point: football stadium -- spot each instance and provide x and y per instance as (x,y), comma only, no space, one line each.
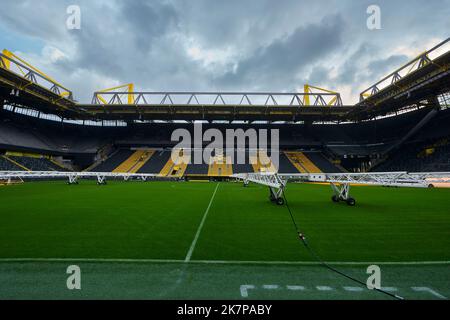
(334,191)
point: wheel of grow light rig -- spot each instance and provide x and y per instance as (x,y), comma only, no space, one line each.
(351,202)
(272,197)
(280,201)
(335,198)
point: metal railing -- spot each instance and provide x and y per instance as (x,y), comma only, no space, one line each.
(33,75)
(322,99)
(419,62)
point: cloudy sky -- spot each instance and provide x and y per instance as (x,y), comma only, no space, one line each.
(217,45)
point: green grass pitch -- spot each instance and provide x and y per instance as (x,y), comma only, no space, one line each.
(207,240)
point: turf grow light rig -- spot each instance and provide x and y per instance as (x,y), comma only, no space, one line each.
(341,182)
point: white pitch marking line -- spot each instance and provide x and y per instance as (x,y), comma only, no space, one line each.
(313,263)
(324,288)
(353,289)
(236,262)
(295,288)
(91,260)
(244,289)
(389,289)
(426,289)
(200,227)
(270,286)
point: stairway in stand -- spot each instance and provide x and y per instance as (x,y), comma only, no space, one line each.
(262,162)
(135,161)
(301,162)
(176,165)
(220,166)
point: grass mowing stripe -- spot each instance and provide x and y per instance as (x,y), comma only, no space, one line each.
(314,263)
(224,262)
(200,227)
(124,220)
(159,220)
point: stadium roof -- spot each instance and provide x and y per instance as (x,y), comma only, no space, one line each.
(418,83)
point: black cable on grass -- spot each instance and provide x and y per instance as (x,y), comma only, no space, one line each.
(323,263)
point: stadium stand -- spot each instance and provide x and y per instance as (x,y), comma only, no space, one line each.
(220,165)
(36,164)
(134,162)
(262,163)
(17,163)
(28,162)
(419,157)
(391,143)
(113,161)
(285,165)
(242,167)
(302,162)
(322,163)
(176,164)
(156,163)
(197,170)
(7,165)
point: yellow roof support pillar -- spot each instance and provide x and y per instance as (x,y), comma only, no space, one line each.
(130,94)
(307,92)
(6,62)
(23,64)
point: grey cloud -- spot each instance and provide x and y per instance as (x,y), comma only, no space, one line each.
(350,72)
(148,21)
(31,18)
(273,45)
(320,75)
(380,67)
(361,66)
(280,61)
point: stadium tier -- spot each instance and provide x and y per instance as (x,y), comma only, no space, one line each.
(432,156)
(13,161)
(7,165)
(171,163)
(113,161)
(156,163)
(135,161)
(397,143)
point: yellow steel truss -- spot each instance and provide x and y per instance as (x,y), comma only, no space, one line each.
(309,92)
(11,57)
(128,86)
